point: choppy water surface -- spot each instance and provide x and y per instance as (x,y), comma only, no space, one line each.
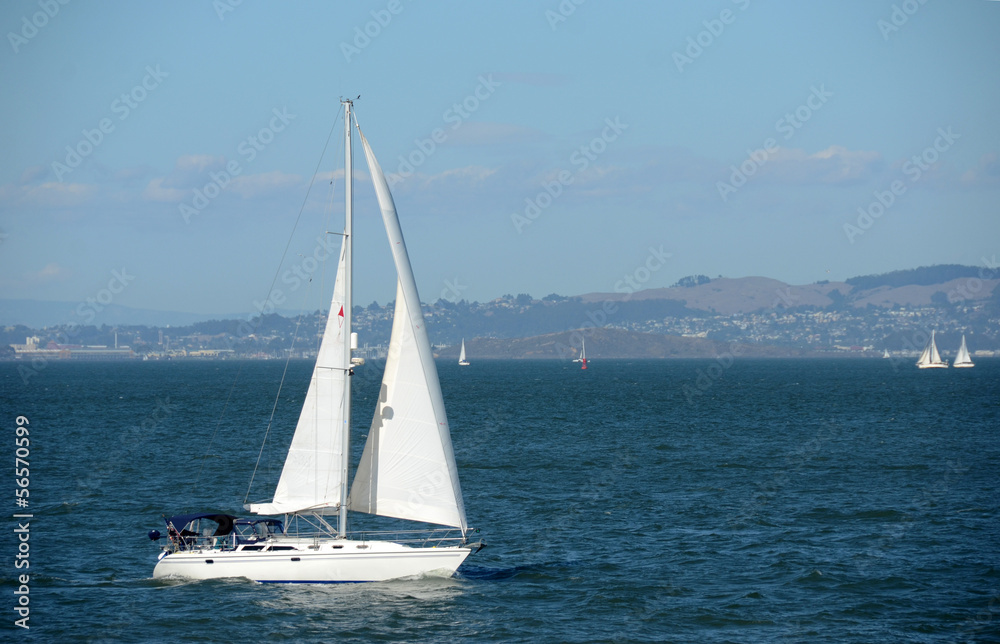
(836,501)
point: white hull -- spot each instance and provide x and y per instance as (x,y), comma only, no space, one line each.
(933,365)
(335,561)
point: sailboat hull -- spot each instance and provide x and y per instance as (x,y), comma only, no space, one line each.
(341,561)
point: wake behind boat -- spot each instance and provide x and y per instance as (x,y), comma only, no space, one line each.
(407,469)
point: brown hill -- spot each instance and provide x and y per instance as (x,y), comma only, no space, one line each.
(727,296)
(913,295)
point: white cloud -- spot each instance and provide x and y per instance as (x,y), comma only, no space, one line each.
(155,191)
(192,172)
(58,195)
(258,185)
(836,164)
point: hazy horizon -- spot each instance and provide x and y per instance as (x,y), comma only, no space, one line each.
(533,148)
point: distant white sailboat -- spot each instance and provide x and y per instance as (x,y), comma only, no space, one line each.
(963,359)
(407,469)
(930,358)
(462,362)
(885,353)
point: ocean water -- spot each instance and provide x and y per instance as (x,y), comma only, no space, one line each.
(673,501)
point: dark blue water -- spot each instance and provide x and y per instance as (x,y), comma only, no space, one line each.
(800,501)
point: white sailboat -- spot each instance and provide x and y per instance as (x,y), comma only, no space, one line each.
(885,353)
(407,468)
(930,358)
(963,359)
(461,356)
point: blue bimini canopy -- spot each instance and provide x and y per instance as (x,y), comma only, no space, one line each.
(225,521)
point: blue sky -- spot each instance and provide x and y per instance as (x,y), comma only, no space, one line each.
(538,147)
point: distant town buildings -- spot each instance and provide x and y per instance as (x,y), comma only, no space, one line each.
(900,330)
(34,347)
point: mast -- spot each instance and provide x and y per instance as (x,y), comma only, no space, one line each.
(348,305)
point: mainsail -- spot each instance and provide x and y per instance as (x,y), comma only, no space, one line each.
(311,477)
(407,468)
(963,359)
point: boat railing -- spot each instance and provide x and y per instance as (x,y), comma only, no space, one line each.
(425,538)
(229,541)
(235,539)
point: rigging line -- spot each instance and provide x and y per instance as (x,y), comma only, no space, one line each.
(288,358)
(302,208)
(270,420)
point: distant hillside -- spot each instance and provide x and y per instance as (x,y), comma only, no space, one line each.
(523,316)
(923,276)
(728,296)
(923,295)
(607,343)
(697,317)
